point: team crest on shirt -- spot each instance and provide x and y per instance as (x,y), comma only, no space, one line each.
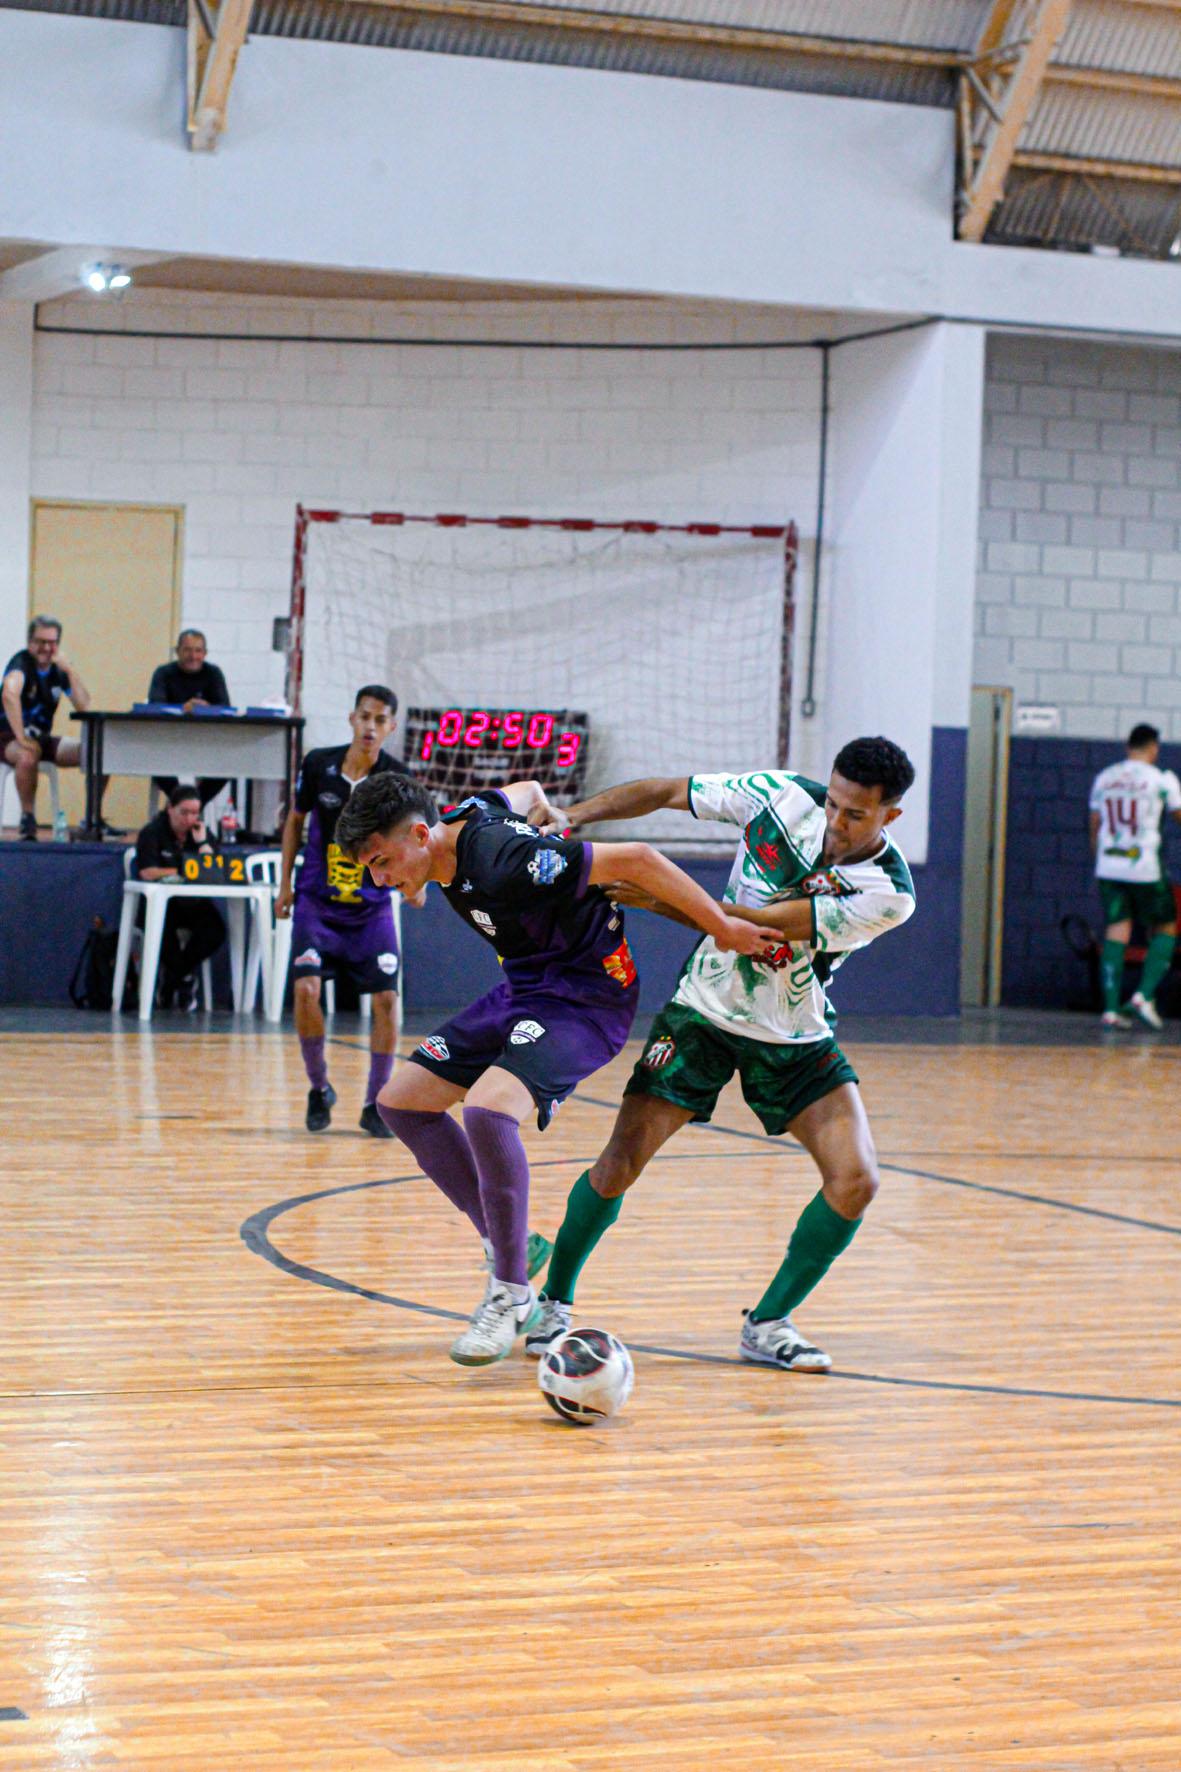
(436,1048)
(309,957)
(525,1032)
(331,800)
(388,963)
(659,1053)
(827,881)
(546,865)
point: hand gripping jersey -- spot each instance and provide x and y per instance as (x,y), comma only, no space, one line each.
(327,874)
(783,999)
(530,897)
(1131,798)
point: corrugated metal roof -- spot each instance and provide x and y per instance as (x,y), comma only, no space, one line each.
(1100,125)
(1137,39)
(903,51)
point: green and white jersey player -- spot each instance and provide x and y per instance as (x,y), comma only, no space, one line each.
(816,864)
(1128,802)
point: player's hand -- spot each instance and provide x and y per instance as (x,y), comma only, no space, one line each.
(555,822)
(738,937)
(200,834)
(194,701)
(30,745)
(633,898)
(284,899)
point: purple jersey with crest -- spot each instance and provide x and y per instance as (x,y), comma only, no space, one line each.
(327,874)
(530,896)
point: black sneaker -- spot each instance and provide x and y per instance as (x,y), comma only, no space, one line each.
(320,1105)
(28,827)
(372,1122)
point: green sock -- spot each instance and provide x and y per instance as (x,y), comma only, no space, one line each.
(817,1240)
(587,1216)
(1112,970)
(1157,961)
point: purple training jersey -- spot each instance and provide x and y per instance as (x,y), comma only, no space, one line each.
(530,896)
(327,874)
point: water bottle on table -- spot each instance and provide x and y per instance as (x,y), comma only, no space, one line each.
(228,825)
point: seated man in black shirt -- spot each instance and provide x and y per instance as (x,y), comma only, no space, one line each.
(35,679)
(193,928)
(190,683)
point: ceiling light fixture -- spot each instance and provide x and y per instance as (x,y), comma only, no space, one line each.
(104,278)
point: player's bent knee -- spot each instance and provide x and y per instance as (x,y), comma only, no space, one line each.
(854,1193)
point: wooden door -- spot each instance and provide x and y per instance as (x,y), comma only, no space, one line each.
(111,574)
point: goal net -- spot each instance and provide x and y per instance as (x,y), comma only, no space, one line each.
(578,652)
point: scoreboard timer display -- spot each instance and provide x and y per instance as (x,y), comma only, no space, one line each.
(458,751)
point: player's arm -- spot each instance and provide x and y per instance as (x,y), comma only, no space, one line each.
(292,838)
(1095,821)
(638,864)
(527,799)
(78,692)
(632,799)
(14,682)
(791,920)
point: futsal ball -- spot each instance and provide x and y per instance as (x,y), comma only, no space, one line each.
(586,1375)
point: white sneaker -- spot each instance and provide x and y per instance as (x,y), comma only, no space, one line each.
(496,1323)
(555,1319)
(778,1342)
(1145,1011)
(1111,1018)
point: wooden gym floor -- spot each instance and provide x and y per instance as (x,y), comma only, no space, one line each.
(251,1516)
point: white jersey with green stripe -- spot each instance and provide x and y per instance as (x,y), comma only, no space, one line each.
(1131,798)
(783,999)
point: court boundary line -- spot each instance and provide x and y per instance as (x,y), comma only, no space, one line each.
(254,1233)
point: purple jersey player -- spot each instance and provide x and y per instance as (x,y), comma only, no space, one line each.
(564,1008)
(343,925)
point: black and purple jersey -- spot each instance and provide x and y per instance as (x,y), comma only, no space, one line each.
(327,874)
(531,897)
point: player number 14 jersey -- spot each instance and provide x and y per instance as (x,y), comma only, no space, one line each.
(1131,798)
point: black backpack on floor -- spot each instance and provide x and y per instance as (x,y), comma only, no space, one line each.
(93,983)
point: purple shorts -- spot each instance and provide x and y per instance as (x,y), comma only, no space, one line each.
(363,949)
(551,1043)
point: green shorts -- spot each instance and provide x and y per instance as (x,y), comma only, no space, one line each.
(689,1061)
(1147,902)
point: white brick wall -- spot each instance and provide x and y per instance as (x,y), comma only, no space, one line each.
(238,431)
(1079,586)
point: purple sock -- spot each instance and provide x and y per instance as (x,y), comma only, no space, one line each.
(495,1140)
(314,1062)
(439,1146)
(380,1066)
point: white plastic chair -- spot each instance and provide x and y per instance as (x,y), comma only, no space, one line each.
(49,770)
(132,940)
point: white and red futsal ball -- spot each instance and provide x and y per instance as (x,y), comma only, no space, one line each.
(586,1375)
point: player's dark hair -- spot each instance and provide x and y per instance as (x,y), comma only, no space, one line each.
(184,790)
(44,621)
(876,763)
(379,692)
(377,805)
(191,634)
(1143,735)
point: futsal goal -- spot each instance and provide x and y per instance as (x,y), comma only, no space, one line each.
(579,651)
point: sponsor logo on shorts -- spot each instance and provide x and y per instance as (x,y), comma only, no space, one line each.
(515,824)
(525,1032)
(436,1048)
(309,957)
(546,865)
(660,1052)
(484,922)
(388,963)
(619,965)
